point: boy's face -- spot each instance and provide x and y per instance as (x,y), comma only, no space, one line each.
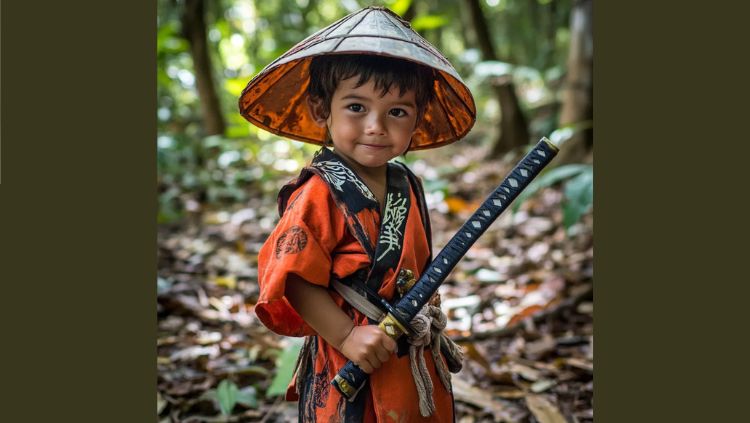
(368,130)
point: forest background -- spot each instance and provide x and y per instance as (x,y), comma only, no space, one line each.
(520,303)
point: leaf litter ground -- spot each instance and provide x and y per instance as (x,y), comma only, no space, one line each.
(520,304)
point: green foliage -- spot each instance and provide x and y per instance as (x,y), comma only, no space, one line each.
(426,22)
(564,133)
(245,35)
(284,369)
(578,190)
(530,32)
(579,196)
(226,394)
(248,397)
(398,6)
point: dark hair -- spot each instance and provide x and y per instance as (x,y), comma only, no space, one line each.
(327,71)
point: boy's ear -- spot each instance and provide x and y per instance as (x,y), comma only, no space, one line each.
(317,111)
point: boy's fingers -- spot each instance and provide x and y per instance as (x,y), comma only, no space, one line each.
(365,366)
(389,344)
(383,355)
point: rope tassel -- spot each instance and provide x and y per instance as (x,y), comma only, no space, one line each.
(428,326)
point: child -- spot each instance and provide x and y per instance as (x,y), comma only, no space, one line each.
(352,223)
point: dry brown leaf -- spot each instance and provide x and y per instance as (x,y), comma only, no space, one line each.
(541,347)
(580,363)
(506,392)
(542,385)
(472,353)
(525,372)
(544,410)
(525,313)
(504,411)
(160,403)
(169,340)
(457,205)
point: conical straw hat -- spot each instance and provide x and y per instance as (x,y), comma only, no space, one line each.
(275,99)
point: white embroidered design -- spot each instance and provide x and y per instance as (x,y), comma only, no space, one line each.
(395,213)
(336,174)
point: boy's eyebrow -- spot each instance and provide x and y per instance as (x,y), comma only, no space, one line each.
(354,97)
(362,98)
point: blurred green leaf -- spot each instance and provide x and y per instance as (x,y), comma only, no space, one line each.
(226,394)
(168,40)
(238,131)
(427,22)
(564,133)
(247,396)
(284,369)
(547,179)
(579,196)
(399,6)
(235,86)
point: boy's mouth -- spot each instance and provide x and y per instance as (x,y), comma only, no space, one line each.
(375,146)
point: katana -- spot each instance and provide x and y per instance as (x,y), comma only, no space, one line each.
(350,379)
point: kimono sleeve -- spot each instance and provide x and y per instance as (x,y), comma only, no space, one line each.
(302,244)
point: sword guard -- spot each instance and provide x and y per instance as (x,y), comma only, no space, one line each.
(405,281)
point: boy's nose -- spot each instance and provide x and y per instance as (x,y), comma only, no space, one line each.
(375,125)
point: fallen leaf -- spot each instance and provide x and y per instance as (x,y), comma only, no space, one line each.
(506,392)
(456,205)
(538,349)
(525,372)
(580,363)
(488,276)
(471,352)
(207,338)
(247,396)
(285,368)
(160,403)
(524,313)
(586,308)
(226,394)
(227,281)
(544,410)
(504,411)
(542,385)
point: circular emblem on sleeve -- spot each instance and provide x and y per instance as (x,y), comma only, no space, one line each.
(292,241)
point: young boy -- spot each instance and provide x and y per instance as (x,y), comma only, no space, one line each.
(353,223)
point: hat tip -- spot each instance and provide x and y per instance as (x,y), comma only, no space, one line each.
(387,10)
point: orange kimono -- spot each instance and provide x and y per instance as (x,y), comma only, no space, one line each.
(319,238)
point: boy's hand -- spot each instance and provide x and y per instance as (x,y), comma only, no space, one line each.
(368,347)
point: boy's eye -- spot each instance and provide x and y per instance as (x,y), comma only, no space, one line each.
(355,107)
(398,112)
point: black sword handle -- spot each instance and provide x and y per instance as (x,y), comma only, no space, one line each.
(350,379)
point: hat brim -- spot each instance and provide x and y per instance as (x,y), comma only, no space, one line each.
(276,98)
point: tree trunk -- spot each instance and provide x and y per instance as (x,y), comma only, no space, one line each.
(483,36)
(194,30)
(577,96)
(514,130)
